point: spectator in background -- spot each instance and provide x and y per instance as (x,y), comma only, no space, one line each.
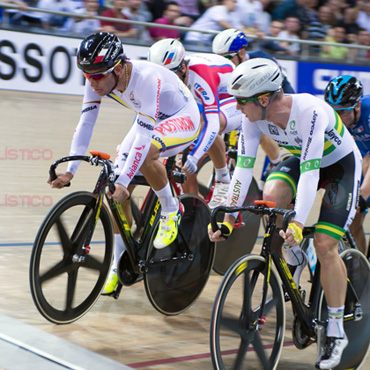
(118,29)
(337,10)
(87,26)
(363,19)
(291,32)
(289,8)
(349,21)
(136,10)
(264,17)
(216,18)
(60,22)
(274,46)
(363,38)
(333,51)
(249,15)
(171,16)
(189,8)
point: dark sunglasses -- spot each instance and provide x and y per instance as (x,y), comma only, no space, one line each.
(243,101)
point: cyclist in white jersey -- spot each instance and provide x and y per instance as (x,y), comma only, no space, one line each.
(324,155)
(206,75)
(166,122)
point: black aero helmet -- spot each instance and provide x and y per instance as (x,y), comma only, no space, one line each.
(343,90)
(99,51)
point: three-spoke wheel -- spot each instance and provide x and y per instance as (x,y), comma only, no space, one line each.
(66,282)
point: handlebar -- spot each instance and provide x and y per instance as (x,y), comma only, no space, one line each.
(260,208)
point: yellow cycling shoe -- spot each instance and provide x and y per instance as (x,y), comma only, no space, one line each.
(168,227)
(111,282)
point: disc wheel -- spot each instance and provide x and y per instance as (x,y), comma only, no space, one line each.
(236,341)
(358,332)
(63,287)
(174,286)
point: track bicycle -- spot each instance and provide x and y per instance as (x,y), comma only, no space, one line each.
(73,249)
(248,318)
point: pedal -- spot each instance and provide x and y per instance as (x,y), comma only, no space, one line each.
(117,291)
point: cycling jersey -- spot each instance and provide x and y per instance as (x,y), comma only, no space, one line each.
(361,132)
(166,116)
(207,81)
(315,134)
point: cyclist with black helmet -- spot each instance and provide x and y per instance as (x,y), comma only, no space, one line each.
(345,95)
(324,155)
(166,122)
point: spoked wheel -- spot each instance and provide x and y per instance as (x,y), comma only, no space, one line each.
(63,288)
(236,340)
(358,332)
(243,239)
(174,286)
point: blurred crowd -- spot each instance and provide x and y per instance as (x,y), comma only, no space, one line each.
(335,21)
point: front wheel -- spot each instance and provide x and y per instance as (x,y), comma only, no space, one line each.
(64,287)
(237,341)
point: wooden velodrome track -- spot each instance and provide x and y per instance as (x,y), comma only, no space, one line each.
(36,129)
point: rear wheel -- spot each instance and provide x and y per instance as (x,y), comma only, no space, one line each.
(358,332)
(174,286)
(63,287)
(236,340)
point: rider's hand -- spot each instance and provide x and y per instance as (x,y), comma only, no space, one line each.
(190,165)
(120,193)
(293,234)
(362,205)
(61,180)
(224,231)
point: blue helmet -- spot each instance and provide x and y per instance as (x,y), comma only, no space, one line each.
(230,40)
(343,90)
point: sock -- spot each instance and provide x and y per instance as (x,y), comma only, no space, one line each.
(335,324)
(293,255)
(276,161)
(169,203)
(222,174)
(118,248)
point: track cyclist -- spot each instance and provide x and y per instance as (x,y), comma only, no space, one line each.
(206,75)
(232,44)
(324,155)
(166,122)
(345,95)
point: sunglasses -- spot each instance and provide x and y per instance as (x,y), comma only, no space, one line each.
(345,109)
(230,56)
(99,76)
(243,101)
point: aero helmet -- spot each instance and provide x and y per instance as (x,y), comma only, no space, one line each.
(343,90)
(230,40)
(99,51)
(168,53)
(255,76)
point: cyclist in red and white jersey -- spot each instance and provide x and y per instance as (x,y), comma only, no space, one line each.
(207,76)
(324,155)
(166,122)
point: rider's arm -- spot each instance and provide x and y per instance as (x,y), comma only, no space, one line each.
(312,128)
(83,132)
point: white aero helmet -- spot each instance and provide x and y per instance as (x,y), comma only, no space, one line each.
(167,52)
(253,77)
(230,40)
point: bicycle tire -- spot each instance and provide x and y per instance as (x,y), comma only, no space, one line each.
(358,332)
(233,330)
(64,230)
(173,288)
(243,239)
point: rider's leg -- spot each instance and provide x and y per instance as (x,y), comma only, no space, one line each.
(271,148)
(358,232)
(280,192)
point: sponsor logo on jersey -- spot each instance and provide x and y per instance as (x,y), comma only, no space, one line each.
(162,116)
(160,141)
(159,83)
(210,141)
(332,135)
(133,101)
(358,129)
(201,91)
(145,125)
(236,193)
(273,129)
(88,109)
(180,124)
(135,165)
